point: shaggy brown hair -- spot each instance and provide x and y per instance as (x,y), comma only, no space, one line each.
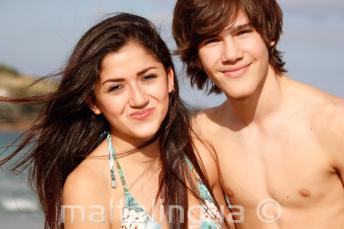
(196,20)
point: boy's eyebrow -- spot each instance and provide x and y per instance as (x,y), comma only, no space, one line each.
(236,28)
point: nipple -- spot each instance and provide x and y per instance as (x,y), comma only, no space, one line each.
(305,192)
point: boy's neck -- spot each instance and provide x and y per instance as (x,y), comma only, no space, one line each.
(266,101)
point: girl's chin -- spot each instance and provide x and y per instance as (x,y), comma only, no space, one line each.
(144,136)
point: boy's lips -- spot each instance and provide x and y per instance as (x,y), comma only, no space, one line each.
(236,71)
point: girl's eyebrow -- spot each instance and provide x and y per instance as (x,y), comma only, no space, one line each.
(111,80)
(145,70)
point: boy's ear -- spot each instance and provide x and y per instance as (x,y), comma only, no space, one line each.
(92,105)
(170,78)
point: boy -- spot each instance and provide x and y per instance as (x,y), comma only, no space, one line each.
(279,143)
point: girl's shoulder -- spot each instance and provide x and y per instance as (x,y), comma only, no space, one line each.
(83,192)
(90,180)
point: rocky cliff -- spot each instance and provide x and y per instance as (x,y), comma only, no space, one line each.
(15,117)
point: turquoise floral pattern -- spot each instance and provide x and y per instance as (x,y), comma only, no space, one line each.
(135,217)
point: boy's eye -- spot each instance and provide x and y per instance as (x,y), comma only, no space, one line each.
(210,40)
(244,31)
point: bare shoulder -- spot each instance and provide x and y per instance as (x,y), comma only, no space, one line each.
(324,108)
(85,190)
(207,159)
(86,183)
(77,182)
(323,114)
(335,109)
(205,121)
(328,112)
(201,137)
(332,116)
(205,125)
(327,118)
(332,133)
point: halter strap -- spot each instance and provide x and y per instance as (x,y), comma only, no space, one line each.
(112,161)
(192,169)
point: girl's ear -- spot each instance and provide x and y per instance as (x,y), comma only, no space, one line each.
(170,78)
(92,105)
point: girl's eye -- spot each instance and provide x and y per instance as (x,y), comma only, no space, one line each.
(149,77)
(115,88)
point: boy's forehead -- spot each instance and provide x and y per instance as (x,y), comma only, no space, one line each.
(240,19)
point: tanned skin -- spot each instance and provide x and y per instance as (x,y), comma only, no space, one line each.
(274,138)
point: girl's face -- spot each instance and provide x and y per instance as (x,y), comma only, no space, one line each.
(133,93)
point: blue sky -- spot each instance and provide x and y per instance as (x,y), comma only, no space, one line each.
(37,36)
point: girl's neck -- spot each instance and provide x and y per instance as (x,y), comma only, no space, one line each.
(138,150)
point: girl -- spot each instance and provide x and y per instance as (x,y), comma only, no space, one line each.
(112,147)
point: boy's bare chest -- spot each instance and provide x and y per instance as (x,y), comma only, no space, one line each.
(292,168)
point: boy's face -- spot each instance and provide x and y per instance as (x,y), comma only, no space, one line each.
(236,60)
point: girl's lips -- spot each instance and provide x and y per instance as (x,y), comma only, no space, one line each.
(142,114)
(236,72)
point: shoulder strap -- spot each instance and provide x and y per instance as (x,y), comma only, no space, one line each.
(112,160)
(192,169)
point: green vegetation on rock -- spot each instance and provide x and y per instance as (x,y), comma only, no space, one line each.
(15,85)
(8,69)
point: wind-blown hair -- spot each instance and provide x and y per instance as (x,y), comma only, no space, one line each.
(66,130)
(196,20)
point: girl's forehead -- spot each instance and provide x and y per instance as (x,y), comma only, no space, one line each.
(128,62)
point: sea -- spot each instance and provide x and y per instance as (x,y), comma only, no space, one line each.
(19,206)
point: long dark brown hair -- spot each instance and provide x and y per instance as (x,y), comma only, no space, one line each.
(66,130)
(196,20)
